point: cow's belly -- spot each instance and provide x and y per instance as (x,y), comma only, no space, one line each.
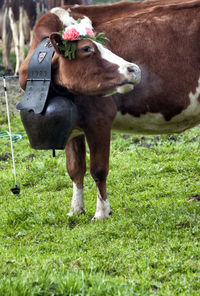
(155,123)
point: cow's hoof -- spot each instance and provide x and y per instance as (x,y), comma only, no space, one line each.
(73,212)
(98,218)
(102,217)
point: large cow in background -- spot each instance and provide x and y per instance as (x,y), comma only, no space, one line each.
(163,38)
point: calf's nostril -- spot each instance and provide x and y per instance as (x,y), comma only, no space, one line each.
(130,69)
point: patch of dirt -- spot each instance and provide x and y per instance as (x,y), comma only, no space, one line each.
(14,93)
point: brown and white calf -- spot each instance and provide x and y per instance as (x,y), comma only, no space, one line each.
(163,38)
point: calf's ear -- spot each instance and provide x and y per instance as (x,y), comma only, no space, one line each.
(56,40)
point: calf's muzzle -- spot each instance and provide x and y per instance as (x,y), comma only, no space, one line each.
(132,76)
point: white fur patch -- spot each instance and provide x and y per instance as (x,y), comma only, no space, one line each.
(109,56)
(102,208)
(195,96)
(123,68)
(77,205)
(67,20)
(155,123)
(64,16)
(124,88)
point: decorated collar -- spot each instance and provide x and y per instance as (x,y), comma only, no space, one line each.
(77,32)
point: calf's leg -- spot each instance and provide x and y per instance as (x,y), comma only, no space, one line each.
(99,144)
(76,166)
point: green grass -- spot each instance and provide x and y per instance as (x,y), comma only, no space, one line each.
(150,246)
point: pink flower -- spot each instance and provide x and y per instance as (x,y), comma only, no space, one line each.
(71,34)
(89,32)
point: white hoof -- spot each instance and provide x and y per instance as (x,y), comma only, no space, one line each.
(77,205)
(103,210)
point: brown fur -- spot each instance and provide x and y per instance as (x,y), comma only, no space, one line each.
(87,74)
(154,33)
(87,65)
(163,38)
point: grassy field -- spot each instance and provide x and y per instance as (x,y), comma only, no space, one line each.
(150,246)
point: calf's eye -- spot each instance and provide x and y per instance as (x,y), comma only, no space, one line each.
(87,49)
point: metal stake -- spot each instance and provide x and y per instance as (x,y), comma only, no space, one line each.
(16,189)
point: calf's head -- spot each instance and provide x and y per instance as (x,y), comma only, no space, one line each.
(95,70)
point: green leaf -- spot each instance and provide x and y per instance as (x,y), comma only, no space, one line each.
(68,48)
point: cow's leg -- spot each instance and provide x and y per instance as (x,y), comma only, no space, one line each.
(76,166)
(14,28)
(6,40)
(99,144)
(31,37)
(21,38)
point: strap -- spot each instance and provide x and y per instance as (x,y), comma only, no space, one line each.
(39,78)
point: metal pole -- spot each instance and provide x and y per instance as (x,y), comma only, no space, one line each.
(16,189)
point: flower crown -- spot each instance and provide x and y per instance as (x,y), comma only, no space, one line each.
(77,32)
